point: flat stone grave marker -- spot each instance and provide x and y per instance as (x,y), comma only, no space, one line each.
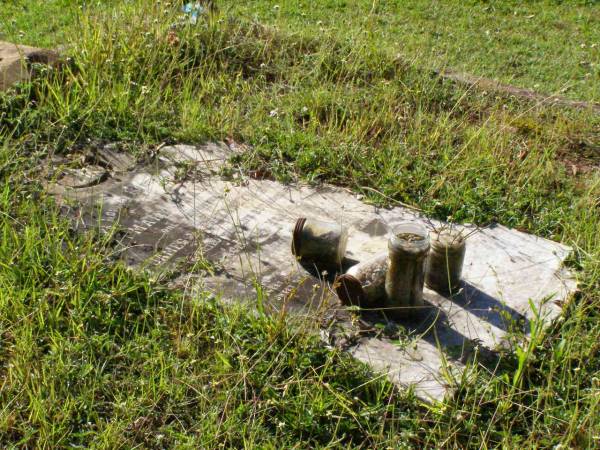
(169,212)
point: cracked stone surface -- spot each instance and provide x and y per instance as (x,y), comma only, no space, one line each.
(172,211)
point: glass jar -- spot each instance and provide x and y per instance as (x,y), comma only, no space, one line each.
(364,283)
(445,262)
(408,247)
(323,243)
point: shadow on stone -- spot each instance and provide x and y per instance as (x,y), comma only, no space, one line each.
(326,273)
(431,324)
(489,308)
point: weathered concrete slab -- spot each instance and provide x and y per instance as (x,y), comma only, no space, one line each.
(16,62)
(177,209)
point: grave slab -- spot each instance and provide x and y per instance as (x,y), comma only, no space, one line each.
(172,211)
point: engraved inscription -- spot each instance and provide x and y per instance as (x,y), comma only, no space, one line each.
(173,248)
(144,224)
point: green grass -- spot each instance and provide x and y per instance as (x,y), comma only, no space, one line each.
(37,22)
(95,355)
(548,46)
